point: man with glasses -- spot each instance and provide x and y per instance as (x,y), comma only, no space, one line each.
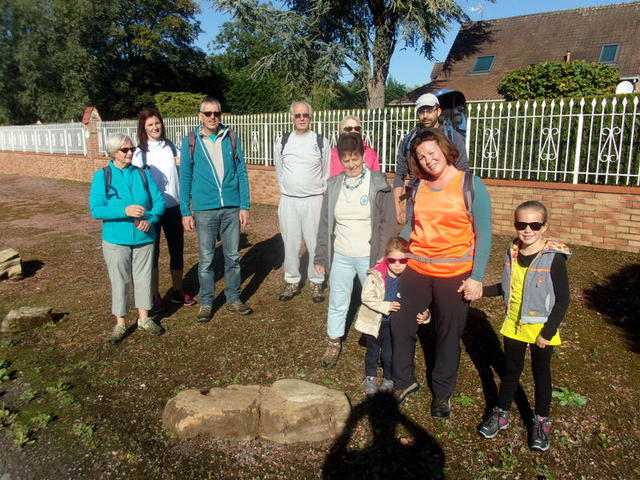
(214,200)
(302,160)
(428,111)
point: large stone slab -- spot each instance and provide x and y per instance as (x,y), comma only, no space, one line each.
(25,318)
(10,264)
(289,411)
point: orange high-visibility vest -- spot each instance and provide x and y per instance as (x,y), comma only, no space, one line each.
(443,232)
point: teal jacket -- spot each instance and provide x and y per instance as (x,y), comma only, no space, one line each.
(127,189)
(200,186)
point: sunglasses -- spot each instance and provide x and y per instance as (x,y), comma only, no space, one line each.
(126,150)
(215,114)
(353,129)
(301,115)
(535,226)
(427,109)
(401,261)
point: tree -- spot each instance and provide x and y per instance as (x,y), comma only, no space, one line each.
(322,37)
(556,80)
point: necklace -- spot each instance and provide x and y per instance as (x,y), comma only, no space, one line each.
(356,184)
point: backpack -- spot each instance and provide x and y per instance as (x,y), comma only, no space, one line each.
(174,151)
(468,192)
(285,139)
(107,181)
(232,137)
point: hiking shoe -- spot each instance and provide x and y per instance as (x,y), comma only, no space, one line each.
(370,386)
(331,354)
(498,420)
(316,293)
(387,386)
(440,408)
(117,334)
(182,298)
(158,304)
(205,314)
(150,326)
(240,308)
(539,439)
(401,395)
(290,291)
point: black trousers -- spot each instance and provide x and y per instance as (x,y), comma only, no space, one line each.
(171,223)
(417,293)
(382,347)
(515,351)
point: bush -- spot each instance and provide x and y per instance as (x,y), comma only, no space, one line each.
(178,104)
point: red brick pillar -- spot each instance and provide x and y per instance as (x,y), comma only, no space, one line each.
(94,160)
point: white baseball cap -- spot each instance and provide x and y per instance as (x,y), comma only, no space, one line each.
(426,100)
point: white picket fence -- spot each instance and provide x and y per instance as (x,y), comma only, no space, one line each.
(576,141)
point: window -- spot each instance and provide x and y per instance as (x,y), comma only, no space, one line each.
(483,64)
(609,53)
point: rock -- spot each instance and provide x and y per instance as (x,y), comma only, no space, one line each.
(25,318)
(10,264)
(289,411)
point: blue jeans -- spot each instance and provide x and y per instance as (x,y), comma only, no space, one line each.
(208,224)
(343,270)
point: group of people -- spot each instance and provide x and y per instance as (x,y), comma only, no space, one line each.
(339,203)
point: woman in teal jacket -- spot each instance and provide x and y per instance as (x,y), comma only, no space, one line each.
(129,203)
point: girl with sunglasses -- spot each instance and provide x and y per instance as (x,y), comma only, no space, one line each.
(379,301)
(535,288)
(351,124)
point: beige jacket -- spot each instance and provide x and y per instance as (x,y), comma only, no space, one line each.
(373,305)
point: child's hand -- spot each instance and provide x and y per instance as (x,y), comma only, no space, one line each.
(320,269)
(395,306)
(423,317)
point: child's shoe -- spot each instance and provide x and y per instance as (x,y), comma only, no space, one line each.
(386,387)
(498,420)
(370,386)
(540,434)
(158,305)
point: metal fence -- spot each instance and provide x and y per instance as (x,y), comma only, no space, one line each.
(50,138)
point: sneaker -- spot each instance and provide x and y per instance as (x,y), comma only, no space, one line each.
(205,313)
(290,291)
(370,386)
(440,408)
(158,304)
(498,420)
(540,434)
(240,308)
(316,293)
(117,334)
(331,354)
(150,326)
(182,298)
(387,386)
(401,395)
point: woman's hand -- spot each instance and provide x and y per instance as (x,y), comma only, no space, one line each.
(395,306)
(135,211)
(542,342)
(188,224)
(471,288)
(320,269)
(423,317)
(143,225)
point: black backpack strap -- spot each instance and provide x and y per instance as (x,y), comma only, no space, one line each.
(320,141)
(234,139)
(283,142)
(145,180)
(468,192)
(407,144)
(192,143)
(172,146)
(143,153)
(107,181)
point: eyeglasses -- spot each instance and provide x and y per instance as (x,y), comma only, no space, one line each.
(427,109)
(357,128)
(535,226)
(215,114)
(301,115)
(401,261)
(126,150)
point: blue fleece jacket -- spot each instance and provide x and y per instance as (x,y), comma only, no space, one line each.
(127,189)
(200,187)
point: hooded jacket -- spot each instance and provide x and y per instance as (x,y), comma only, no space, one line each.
(373,306)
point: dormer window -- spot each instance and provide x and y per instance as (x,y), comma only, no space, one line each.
(609,53)
(483,64)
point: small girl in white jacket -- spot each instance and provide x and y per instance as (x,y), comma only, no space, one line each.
(373,320)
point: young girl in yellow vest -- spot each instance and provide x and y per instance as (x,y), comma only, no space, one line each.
(535,288)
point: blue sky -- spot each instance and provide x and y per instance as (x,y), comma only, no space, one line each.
(408,66)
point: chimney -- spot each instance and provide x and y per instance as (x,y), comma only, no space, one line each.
(567,57)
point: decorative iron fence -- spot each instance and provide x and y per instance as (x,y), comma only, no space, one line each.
(68,138)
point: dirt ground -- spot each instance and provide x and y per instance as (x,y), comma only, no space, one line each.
(72,406)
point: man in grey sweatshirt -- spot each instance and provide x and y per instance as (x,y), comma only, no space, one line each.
(302,160)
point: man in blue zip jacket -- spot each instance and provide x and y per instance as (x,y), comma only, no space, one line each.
(214,200)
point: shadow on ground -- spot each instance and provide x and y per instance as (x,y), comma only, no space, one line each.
(618,298)
(415,454)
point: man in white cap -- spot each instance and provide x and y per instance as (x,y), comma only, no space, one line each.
(428,111)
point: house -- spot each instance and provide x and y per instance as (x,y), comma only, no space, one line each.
(484,51)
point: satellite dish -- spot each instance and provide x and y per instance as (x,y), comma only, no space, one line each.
(624,87)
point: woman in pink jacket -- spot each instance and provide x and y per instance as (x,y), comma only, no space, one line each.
(351,124)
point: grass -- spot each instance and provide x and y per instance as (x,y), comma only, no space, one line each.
(68,388)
